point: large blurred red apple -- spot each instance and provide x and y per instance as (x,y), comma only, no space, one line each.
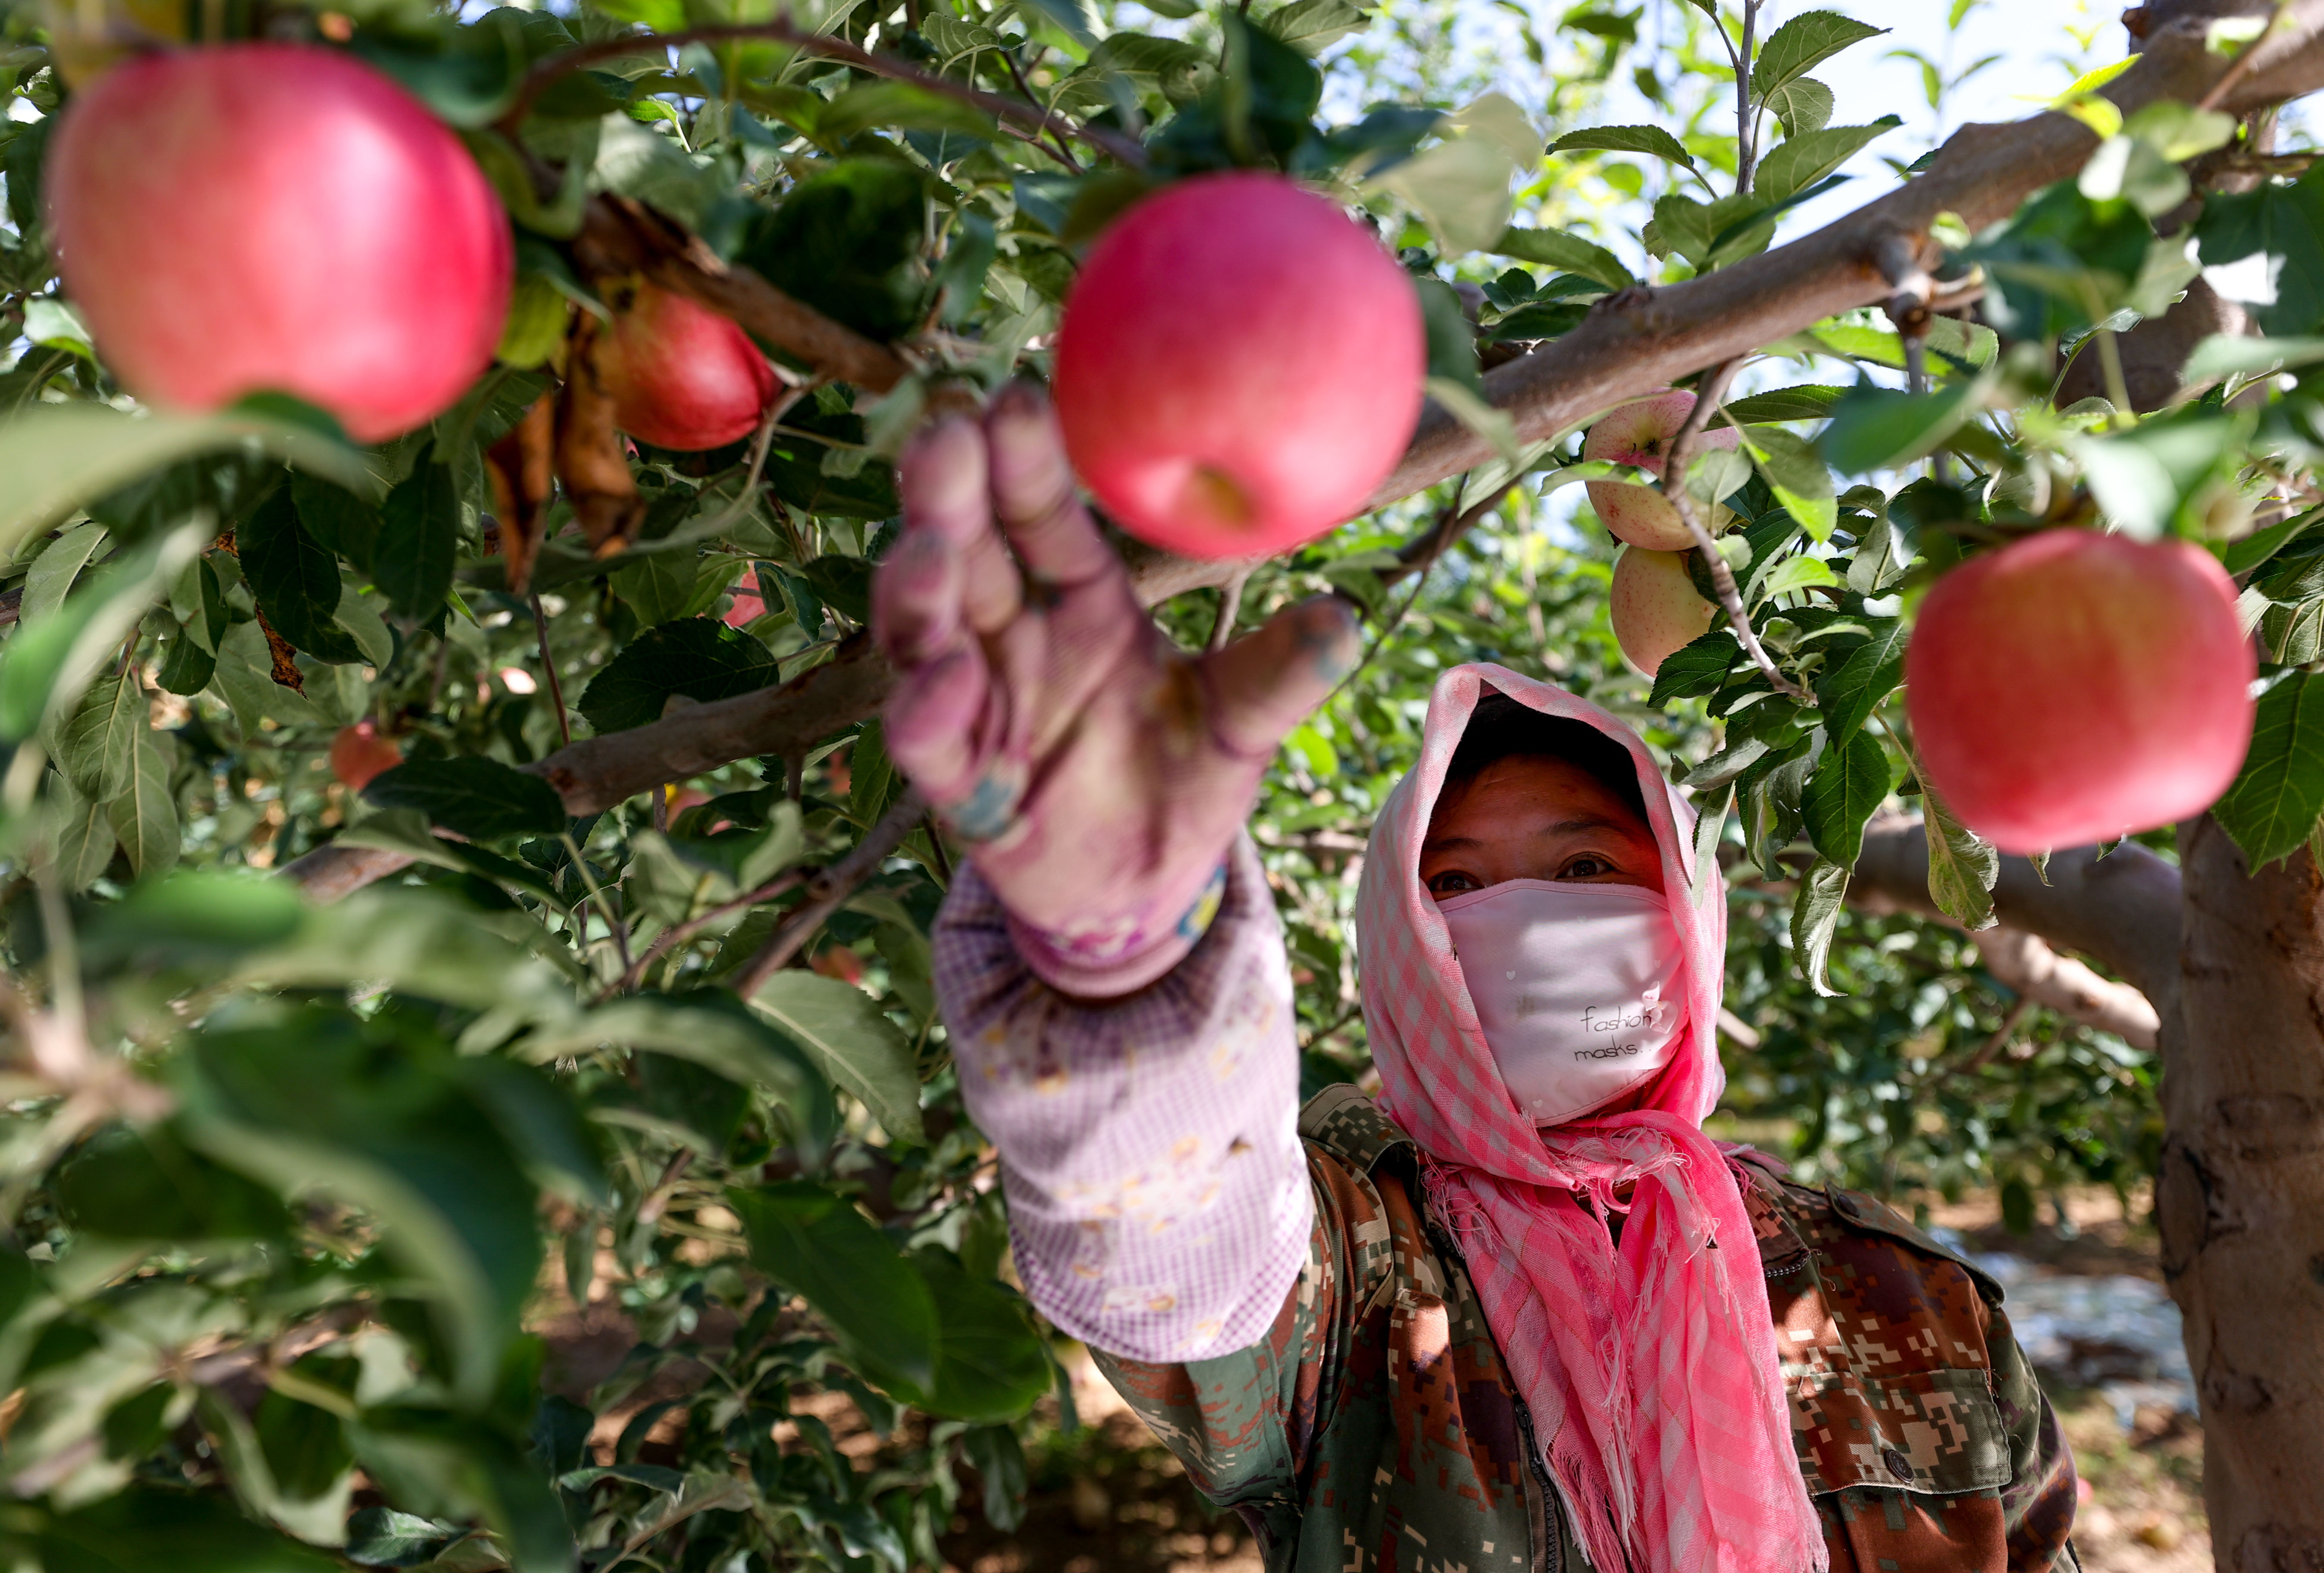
(359,752)
(1655,607)
(1240,366)
(2075,687)
(681,376)
(277,216)
(1639,435)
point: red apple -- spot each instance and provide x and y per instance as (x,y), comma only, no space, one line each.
(1240,366)
(258,217)
(2075,687)
(681,376)
(747,607)
(1639,435)
(358,753)
(1655,607)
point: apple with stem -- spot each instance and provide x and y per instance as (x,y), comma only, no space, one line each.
(1641,435)
(680,375)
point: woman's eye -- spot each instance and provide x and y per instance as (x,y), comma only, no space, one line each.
(1452,883)
(1586,868)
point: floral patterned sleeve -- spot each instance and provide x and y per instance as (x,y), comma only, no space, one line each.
(1158,1198)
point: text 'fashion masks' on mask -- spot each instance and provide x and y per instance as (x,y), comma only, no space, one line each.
(1580,988)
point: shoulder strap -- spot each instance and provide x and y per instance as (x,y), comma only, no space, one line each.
(1858,1210)
(1348,1126)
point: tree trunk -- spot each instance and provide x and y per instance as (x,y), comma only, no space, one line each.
(2240,1200)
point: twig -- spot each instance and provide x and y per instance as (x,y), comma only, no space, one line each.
(1708,394)
(784,31)
(620,930)
(670,938)
(1998,1041)
(830,888)
(1229,608)
(935,846)
(1746,143)
(2238,67)
(1017,74)
(548,670)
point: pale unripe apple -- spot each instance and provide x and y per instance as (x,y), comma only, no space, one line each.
(1655,607)
(272,216)
(1238,368)
(680,375)
(1639,435)
(358,753)
(2075,687)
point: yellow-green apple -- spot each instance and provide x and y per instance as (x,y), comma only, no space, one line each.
(1639,435)
(1655,607)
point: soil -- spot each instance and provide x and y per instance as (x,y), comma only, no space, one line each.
(1109,1499)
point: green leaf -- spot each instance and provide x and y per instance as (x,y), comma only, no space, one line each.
(1793,573)
(1697,668)
(1806,401)
(1555,248)
(1803,104)
(1624,139)
(1815,916)
(56,457)
(84,837)
(147,1527)
(2163,469)
(858,1047)
(423,942)
(896,103)
(294,579)
(94,749)
(446,1461)
(472,795)
(1789,464)
(419,538)
(2280,227)
(1851,690)
(53,573)
(715,1030)
(144,816)
(2278,797)
(990,1364)
(1461,185)
(1879,429)
(145,1185)
(1845,789)
(1800,162)
(698,658)
(1962,865)
(45,669)
(817,1245)
(2229,355)
(1308,25)
(845,241)
(872,781)
(1802,43)
(324,1101)
(2256,548)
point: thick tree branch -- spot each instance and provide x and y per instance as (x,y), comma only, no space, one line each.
(2026,963)
(2121,910)
(1646,339)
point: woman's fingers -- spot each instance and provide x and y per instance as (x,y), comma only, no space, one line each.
(945,482)
(1265,684)
(935,724)
(1033,492)
(916,599)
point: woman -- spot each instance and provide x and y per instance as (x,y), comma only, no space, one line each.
(1521,1314)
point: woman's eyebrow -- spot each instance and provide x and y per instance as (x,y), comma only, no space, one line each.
(1589,823)
(1445,843)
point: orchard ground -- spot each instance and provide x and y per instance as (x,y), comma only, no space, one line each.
(1110,1499)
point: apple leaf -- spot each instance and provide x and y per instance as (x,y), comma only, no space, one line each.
(1845,789)
(1624,139)
(2278,797)
(1815,916)
(1962,865)
(1802,43)
(1851,690)
(696,658)
(472,795)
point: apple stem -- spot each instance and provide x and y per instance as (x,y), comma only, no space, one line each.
(1707,397)
(548,670)
(828,889)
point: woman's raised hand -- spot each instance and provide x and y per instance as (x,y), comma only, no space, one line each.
(1098,773)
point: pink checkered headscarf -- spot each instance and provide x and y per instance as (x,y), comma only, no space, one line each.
(1650,1367)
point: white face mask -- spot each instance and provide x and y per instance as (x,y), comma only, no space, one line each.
(1580,988)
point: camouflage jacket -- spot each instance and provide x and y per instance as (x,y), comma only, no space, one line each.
(1374,1429)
